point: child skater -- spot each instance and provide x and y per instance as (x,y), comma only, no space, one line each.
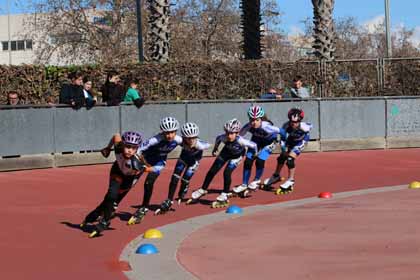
(124,174)
(294,134)
(232,152)
(154,153)
(188,162)
(264,134)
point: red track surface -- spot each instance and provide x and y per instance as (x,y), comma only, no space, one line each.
(371,236)
(38,241)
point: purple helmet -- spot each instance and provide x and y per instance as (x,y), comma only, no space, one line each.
(132,138)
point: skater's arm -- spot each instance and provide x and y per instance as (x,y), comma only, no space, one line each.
(115,139)
(272,129)
(148,143)
(245,129)
(219,140)
(248,143)
(202,145)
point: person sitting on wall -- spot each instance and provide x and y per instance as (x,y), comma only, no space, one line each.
(297,90)
(90,99)
(133,95)
(13,98)
(72,94)
(112,91)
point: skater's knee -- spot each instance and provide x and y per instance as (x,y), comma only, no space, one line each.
(281,159)
(228,172)
(248,163)
(259,164)
(291,162)
(117,178)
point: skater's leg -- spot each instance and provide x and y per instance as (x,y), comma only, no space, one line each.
(185,181)
(227,173)
(281,159)
(259,164)
(175,179)
(250,156)
(114,185)
(93,215)
(217,165)
(148,188)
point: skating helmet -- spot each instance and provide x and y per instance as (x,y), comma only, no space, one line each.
(255,112)
(169,124)
(295,115)
(132,138)
(189,130)
(232,126)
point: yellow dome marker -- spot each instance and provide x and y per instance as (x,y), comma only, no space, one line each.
(152,233)
(414,185)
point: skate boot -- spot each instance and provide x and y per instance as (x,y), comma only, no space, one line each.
(196,195)
(270,181)
(221,201)
(99,227)
(181,196)
(241,190)
(286,187)
(253,186)
(138,216)
(164,207)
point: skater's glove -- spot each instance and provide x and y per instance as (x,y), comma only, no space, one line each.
(106,152)
(272,146)
(283,146)
(136,164)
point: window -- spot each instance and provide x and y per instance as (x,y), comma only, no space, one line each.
(21,45)
(5,45)
(29,44)
(13,45)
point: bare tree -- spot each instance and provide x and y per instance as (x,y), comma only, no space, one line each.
(77,31)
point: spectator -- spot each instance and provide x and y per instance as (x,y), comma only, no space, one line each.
(112,91)
(133,96)
(90,100)
(72,94)
(13,98)
(298,91)
(271,94)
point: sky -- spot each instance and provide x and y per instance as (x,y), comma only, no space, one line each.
(403,12)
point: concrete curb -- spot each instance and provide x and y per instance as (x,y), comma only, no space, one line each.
(164,265)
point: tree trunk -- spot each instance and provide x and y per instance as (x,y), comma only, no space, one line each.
(251,28)
(324,34)
(159,30)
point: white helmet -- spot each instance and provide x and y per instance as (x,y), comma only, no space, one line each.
(190,130)
(169,124)
(232,126)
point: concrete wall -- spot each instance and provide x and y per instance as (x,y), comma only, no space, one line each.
(48,137)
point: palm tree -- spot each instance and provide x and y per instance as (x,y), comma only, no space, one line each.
(251,28)
(159,30)
(323,29)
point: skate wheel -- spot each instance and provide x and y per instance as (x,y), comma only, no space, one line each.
(214,204)
(179,201)
(158,211)
(132,221)
(82,225)
(246,193)
(93,234)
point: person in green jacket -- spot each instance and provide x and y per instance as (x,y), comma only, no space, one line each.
(133,95)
